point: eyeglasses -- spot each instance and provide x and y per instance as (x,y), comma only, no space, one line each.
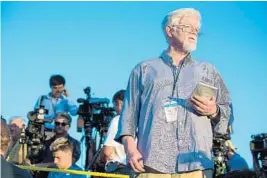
(188,28)
(61,123)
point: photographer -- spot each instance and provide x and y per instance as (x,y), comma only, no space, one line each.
(113,151)
(56,101)
(62,125)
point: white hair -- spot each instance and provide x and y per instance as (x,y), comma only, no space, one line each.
(174,17)
(22,119)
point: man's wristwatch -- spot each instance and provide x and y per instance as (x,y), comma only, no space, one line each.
(216,113)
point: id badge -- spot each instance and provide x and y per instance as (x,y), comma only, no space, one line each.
(171,110)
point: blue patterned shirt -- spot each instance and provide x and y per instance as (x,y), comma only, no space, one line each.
(181,145)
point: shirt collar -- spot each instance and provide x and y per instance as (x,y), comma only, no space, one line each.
(49,96)
(168,59)
(73,166)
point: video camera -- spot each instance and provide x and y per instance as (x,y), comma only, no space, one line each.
(34,134)
(94,112)
(258,147)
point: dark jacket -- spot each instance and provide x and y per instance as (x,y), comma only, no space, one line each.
(9,170)
(48,154)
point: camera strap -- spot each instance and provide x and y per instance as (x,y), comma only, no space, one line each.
(41,101)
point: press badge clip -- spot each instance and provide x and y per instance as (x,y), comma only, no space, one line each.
(171,110)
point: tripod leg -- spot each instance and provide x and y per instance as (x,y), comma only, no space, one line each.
(87,157)
(90,152)
(93,162)
(96,153)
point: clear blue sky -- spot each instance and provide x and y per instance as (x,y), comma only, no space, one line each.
(98,43)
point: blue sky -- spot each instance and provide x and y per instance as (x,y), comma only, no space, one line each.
(98,43)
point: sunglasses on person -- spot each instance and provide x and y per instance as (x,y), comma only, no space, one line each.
(61,123)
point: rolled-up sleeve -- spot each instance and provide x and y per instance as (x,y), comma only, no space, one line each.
(131,106)
(223,101)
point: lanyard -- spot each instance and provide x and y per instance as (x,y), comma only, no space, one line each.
(176,73)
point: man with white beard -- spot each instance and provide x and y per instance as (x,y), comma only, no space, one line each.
(172,122)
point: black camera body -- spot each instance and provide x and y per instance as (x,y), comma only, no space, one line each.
(94,112)
(259,142)
(258,147)
(35,135)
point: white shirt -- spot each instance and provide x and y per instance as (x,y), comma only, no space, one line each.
(119,153)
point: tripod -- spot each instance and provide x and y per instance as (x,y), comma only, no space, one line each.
(96,159)
(93,152)
(23,142)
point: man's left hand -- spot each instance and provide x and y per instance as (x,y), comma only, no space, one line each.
(204,106)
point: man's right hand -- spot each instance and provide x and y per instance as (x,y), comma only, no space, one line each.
(65,92)
(135,160)
(134,157)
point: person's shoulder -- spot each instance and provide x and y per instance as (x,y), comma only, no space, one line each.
(21,172)
(148,63)
(14,170)
(203,64)
(114,121)
(116,118)
(76,167)
(151,62)
(73,139)
(45,96)
(237,156)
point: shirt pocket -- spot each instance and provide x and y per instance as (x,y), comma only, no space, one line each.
(185,91)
